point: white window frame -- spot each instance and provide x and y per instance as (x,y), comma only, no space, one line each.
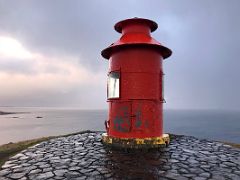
(163,99)
(113,88)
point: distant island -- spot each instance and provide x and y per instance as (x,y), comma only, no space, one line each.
(5,113)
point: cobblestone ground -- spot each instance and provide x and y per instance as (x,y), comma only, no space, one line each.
(83,156)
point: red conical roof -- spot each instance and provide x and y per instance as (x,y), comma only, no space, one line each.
(136,32)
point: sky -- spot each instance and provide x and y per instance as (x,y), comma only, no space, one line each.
(50,51)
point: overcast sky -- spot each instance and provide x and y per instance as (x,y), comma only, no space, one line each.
(50,51)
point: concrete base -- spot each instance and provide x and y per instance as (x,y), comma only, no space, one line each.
(136,143)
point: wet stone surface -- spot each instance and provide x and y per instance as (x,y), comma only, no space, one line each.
(83,156)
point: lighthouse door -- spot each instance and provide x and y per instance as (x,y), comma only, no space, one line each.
(121,116)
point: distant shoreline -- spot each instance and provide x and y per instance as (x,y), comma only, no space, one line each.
(5,113)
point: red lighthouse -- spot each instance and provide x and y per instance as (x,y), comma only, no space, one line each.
(135,87)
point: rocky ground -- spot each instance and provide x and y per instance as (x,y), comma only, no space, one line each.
(83,156)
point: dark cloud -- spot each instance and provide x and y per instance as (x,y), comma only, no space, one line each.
(204,36)
(60,27)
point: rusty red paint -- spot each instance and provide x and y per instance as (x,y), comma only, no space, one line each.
(138,110)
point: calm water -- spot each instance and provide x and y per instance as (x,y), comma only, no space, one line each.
(216,125)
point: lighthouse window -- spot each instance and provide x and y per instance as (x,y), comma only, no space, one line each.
(113,84)
(163,100)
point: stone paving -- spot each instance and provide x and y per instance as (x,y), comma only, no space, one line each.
(83,156)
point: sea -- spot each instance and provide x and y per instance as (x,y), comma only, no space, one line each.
(30,123)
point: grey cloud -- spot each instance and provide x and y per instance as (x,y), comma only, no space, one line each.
(17,66)
(59,27)
(80,97)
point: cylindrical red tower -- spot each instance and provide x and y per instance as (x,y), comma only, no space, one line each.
(135,86)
